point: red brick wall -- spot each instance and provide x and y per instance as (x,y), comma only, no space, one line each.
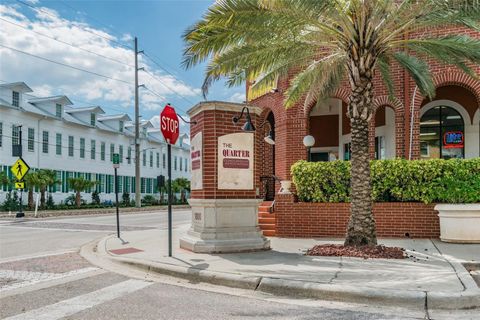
(394,219)
(215,123)
(293,124)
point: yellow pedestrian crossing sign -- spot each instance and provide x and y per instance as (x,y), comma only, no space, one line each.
(20,185)
(19,169)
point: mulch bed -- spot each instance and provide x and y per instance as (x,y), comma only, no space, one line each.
(366,252)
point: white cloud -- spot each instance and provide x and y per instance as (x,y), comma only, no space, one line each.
(238,97)
(47,78)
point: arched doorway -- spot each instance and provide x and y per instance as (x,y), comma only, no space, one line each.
(442,131)
(267,178)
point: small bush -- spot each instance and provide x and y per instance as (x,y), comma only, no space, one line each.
(95,197)
(149,200)
(126,199)
(447,181)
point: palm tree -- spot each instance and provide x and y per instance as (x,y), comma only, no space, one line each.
(4,178)
(78,185)
(47,178)
(329,43)
(181,185)
(32,181)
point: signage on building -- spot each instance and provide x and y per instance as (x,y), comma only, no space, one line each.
(196,155)
(19,185)
(169,124)
(116,160)
(235,161)
(453,139)
(19,169)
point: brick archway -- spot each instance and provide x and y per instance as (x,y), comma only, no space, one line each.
(450,77)
(399,110)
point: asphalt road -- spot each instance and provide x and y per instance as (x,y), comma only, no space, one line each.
(42,276)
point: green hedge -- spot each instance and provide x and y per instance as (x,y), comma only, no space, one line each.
(428,181)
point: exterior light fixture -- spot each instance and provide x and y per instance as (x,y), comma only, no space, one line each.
(309,142)
(269,139)
(248,126)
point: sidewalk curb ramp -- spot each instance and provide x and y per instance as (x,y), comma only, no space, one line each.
(420,300)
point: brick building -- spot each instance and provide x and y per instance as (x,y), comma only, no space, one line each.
(408,126)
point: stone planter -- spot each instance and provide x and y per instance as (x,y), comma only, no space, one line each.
(459,223)
(285,186)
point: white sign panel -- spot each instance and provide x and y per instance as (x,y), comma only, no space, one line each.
(196,156)
(235,161)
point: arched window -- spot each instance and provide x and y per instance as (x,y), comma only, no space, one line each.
(442,134)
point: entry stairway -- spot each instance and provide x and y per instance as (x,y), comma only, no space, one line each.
(266,218)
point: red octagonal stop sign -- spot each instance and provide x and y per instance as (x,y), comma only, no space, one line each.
(169,124)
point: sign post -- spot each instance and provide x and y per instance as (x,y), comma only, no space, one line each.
(116,165)
(19,169)
(169,126)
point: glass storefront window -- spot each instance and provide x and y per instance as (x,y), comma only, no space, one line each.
(442,134)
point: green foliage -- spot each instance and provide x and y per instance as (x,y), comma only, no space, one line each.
(70,200)
(126,199)
(80,184)
(322,181)
(50,203)
(260,40)
(95,197)
(428,181)
(4,180)
(11,202)
(149,200)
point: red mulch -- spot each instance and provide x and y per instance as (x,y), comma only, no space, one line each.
(366,252)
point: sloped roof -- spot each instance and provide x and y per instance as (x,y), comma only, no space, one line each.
(57,99)
(20,86)
(122,116)
(96,109)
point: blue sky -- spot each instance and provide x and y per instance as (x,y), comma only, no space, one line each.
(157,24)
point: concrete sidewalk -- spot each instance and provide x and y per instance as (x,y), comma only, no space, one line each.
(433,274)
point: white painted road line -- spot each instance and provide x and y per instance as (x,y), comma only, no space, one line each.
(41,255)
(28,278)
(55,229)
(71,306)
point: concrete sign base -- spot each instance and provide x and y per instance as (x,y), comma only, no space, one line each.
(224,225)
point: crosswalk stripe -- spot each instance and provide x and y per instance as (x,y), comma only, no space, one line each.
(71,306)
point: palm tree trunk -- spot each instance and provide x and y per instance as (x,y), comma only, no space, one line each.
(42,197)
(78,199)
(30,198)
(361,226)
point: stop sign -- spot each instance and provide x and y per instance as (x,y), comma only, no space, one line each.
(169,124)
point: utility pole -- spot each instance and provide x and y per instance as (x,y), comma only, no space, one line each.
(138,199)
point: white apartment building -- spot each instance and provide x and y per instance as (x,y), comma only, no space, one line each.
(80,142)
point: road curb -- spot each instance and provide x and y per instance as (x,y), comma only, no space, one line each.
(412,299)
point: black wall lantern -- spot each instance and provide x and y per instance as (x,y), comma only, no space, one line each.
(248,126)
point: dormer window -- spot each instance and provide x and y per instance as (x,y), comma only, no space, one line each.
(58,110)
(120,126)
(15,98)
(93,119)
(144,130)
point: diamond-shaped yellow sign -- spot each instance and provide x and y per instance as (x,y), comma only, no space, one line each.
(19,169)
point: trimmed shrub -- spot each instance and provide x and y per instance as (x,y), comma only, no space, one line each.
(428,181)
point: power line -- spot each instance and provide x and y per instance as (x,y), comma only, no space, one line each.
(169,88)
(91,17)
(67,43)
(94,33)
(65,65)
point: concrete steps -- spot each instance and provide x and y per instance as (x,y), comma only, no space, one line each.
(266,218)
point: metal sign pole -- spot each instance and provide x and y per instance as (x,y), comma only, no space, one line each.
(116,203)
(169,155)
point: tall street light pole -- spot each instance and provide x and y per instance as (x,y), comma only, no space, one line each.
(138,199)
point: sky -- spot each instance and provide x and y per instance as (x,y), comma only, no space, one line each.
(97,36)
